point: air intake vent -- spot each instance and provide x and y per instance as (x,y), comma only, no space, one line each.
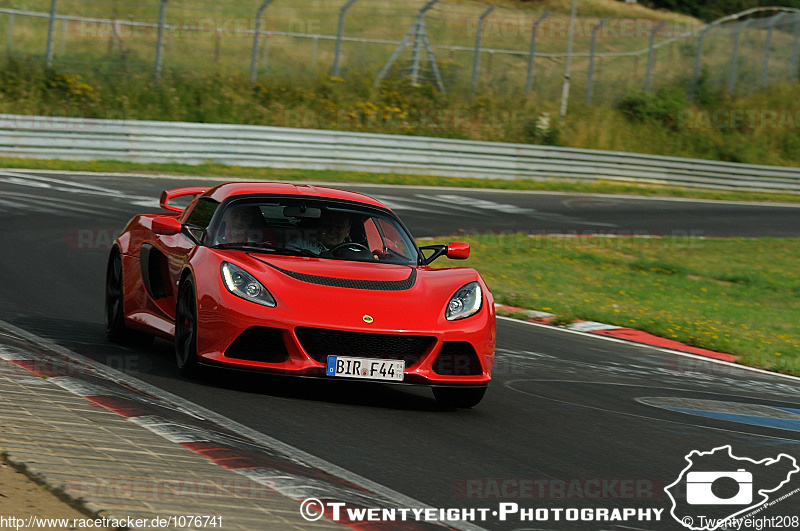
(457,358)
(259,344)
(321,343)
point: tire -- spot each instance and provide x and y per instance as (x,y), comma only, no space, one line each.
(186,330)
(116,331)
(459,398)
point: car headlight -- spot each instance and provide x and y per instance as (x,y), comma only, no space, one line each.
(467,301)
(244,285)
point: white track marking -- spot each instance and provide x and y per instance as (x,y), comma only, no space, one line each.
(397,202)
(474,205)
(37,181)
(10,354)
(162,176)
(432,202)
(591,326)
(652,347)
(60,200)
(171,431)
(481,204)
(51,205)
(78,387)
(22,206)
(510,385)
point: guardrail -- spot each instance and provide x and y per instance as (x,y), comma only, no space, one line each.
(45,137)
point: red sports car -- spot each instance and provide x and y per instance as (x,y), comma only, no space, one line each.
(301,280)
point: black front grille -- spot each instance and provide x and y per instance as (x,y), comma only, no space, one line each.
(321,343)
(457,358)
(259,344)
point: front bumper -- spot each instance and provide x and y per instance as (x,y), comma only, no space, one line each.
(239,334)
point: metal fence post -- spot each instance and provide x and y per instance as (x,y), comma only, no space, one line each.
(476,58)
(568,61)
(590,81)
(62,45)
(734,75)
(162,11)
(265,51)
(414,30)
(314,47)
(118,37)
(767,46)
(796,49)
(10,34)
(111,33)
(432,60)
(339,34)
(698,61)
(256,35)
(651,56)
(51,28)
(532,53)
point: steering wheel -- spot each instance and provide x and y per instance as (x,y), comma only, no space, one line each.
(335,251)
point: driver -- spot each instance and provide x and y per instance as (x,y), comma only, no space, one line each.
(334,229)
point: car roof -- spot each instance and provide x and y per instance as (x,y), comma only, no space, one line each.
(225,191)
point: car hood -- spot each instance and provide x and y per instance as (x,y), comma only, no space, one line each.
(343,272)
(339,294)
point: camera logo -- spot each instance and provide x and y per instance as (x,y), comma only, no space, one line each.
(716,487)
(699,488)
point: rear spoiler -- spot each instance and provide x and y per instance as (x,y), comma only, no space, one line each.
(169,195)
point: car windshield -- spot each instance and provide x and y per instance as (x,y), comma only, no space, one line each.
(315,228)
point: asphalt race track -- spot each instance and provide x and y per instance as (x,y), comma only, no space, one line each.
(570,421)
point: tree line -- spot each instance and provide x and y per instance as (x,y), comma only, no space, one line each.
(709,10)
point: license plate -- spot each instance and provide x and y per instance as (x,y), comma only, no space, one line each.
(370,369)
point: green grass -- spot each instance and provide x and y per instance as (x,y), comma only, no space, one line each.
(397,108)
(335,176)
(205,79)
(730,295)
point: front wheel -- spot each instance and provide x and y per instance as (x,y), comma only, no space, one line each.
(459,398)
(186,330)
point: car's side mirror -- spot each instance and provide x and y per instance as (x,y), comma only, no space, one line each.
(457,251)
(166,225)
(453,251)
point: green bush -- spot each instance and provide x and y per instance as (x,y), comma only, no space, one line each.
(661,108)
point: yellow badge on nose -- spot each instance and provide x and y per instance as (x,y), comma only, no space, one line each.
(368,319)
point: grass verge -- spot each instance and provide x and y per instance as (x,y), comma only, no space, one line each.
(730,295)
(276,174)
